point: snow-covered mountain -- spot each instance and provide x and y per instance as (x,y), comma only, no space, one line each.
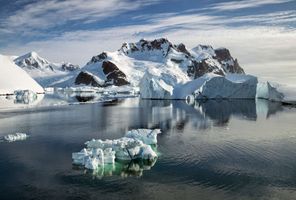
(128,65)
(46,73)
(14,78)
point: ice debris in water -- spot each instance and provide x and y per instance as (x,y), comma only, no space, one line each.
(25,96)
(15,137)
(135,145)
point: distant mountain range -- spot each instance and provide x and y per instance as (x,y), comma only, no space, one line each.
(128,65)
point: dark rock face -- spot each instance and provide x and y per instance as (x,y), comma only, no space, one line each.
(224,57)
(161,44)
(155,44)
(223,54)
(87,79)
(113,74)
(176,60)
(181,48)
(98,58)
(69,67)
(198,69)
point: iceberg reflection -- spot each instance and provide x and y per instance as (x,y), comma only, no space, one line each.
(19,101)
(204,114)
(133,168)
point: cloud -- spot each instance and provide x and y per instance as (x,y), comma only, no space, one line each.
(43,15)
(235,5)
(278,18)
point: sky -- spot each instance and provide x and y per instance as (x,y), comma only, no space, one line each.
(261,34)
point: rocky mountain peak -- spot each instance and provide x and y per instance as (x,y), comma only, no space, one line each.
(99,58)
(126,65)
(228,62)
(161,45)
(69,67)
(32,60)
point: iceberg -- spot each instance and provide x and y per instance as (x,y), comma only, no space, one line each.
(228,87)
(125,148)
(135,145)
(15,137)
(268,92)
(153,87)
(209,86)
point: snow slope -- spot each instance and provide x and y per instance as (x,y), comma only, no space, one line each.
(14,78)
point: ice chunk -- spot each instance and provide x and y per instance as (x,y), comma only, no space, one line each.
(135,145)
(147,136)
(15,137)
(266,91)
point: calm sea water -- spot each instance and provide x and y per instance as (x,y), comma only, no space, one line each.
(208,150)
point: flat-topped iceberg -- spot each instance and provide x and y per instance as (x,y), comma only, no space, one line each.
(15,137)
(213,86)
(135,145)
(209,86)
(234,86)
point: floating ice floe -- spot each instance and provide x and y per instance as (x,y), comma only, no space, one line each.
(135,145)
(15,137)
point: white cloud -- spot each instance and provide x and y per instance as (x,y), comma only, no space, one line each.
(43,15)
(234,5)
(270,18)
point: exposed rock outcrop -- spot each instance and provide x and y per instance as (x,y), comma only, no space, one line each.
(87,78)
(113,75)
(69,67)
(229,64)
